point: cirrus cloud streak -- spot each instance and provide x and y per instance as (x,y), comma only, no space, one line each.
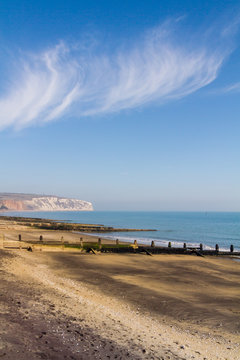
(64,82)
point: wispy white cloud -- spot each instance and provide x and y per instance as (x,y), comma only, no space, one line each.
(233,88)
(63,81)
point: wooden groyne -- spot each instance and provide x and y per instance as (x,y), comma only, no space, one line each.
(99,246)
(47,224)
(167,250)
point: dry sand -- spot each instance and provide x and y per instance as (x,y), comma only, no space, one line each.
(71,305)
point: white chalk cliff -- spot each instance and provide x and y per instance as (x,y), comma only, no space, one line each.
(32,202)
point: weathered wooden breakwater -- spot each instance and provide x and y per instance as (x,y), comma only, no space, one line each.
(167,250)
(150,250)
(133,248)
(47,224)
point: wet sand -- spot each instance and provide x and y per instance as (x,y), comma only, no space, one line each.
(72,305)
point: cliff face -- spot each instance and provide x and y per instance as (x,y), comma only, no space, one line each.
(28,202)
(11,205)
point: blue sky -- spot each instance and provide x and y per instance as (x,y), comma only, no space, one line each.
(133,105)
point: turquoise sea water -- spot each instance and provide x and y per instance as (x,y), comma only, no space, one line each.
(178,227)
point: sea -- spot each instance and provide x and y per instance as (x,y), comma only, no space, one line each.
(193,228)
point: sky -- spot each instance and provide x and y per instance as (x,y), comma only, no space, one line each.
(132,105)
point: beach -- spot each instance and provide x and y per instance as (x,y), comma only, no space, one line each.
(67,304)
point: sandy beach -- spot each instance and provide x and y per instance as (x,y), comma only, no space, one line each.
(62,304)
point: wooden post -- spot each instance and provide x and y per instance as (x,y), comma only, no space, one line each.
(81,242)
(231,248)
(201,247)
(19,237)
(169,244)
(41,238)
(184,245)
(217,248)
(117,242)
(99,243)
(152,244)
(62,241)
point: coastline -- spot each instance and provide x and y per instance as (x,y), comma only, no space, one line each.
(96,236)
(175,227)
(125,305)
